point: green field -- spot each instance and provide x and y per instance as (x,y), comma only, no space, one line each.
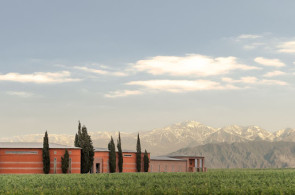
(235,181)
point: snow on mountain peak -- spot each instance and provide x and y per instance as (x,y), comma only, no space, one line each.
(171,138)
(191,124)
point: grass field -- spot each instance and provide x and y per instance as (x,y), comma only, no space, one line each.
(235,181)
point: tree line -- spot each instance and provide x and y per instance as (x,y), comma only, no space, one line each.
(83,141)
(113,156)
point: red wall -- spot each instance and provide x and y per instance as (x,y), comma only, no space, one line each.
(168,166)
(58,153)
(32,163)
(129,162)
(103,159)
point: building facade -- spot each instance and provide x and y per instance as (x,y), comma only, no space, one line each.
(26,158)
(177,164)
(101,161)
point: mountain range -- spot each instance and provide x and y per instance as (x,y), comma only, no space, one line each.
(161,141)
(253,154)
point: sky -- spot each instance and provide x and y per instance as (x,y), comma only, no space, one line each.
(137,65)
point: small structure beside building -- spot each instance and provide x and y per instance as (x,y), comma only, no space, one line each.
(26,158)
(177,164)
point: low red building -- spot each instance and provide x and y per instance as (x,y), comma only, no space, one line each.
(101,161)
(177,164)
(26,158)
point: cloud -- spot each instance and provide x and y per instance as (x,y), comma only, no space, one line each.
(99,71)
(274,73)
(123,93)
(39,77)
(286,47)
(190,65)
(254,80)
(273,82)
(177,86)
(247,80)
(253,46)
(269,62)
(249,36)
(20,94)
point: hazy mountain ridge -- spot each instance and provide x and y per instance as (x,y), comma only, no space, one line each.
(172,138)
(254,154)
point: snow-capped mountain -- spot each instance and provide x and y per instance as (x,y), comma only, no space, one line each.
(285,135)
(171,138)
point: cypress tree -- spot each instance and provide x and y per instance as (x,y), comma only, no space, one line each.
(76,143)
(65,161)
(83,140)
(91,153)
(138,154)
(109,145)
(79,134)
(45,154)
(146,161)
(87,152)
(120,154)
(112,156)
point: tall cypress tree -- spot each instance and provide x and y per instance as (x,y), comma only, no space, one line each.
(79,140)
(112,156)
(83,140)
(91,152)
(45,154)
(76,143)
(146,161)
(65,161)
(120,154)
(138,154)
(87,155)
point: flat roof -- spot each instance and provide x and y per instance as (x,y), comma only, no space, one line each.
(130,151)
(184,156)
(33,145)
(107,150)
(167,158)
(101,150)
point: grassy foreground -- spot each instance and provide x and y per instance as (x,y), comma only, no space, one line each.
(235,181)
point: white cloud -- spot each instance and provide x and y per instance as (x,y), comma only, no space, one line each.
(273,82)
(249,36)
(123,93)
(39,77)
(99,71)
(287,47)
(254,81)
(274,73)
(22,94)
(269,62)
(190,65)
(253,46)
(247,80)
(177,86)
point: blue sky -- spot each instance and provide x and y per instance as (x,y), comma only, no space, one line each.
(138,65)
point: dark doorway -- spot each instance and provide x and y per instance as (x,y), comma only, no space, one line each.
(97,167)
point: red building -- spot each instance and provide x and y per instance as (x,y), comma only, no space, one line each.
(101,161)
(177,164)
(26,157)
